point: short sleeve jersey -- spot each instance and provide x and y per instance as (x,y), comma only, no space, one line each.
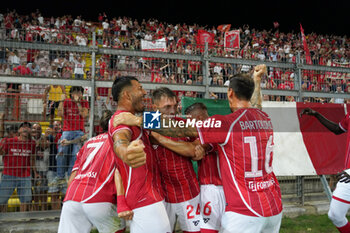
(245,143)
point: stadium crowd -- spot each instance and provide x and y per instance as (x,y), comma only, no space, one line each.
(127,33)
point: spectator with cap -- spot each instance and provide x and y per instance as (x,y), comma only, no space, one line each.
(74,111)
(19,160)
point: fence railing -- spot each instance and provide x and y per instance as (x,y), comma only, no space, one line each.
(35,96)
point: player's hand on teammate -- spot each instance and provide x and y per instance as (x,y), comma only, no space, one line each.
(127,118)
(259,70)
(343,177)
(126,215)
(199,153)
(135,155)
(308,111)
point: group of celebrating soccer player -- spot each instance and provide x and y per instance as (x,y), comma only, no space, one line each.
(148,173)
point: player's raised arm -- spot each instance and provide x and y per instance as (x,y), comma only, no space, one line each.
(124,211)
(330,125)
(256,99)
(131,153)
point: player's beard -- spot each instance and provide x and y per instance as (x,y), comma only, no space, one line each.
(138,104)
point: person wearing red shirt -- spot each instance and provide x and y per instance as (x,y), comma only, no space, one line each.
(140,177)
(19,158)
(91,195)
(74,111)
(179,181)
(211,191)
(22,70)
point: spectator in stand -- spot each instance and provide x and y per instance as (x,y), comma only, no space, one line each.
(13,59)
(19,160)
(103,96)
(67,72)
(52,97)
(74,111)
(76,24)
(42,163)
(22,70)
(214,80)
(11,100)
(3,52)
(338,100)
(34,68)
(79,65)
(81,39)
(54,134)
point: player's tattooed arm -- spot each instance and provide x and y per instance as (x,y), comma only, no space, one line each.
(256,99)
(124,211)
(131,153)
(330,125)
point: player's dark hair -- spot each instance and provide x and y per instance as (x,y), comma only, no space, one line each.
(106,116)
(119,84)
(243,86)
(194,107)
(76,88)
(162,91)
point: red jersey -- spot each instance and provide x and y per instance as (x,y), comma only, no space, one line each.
(208,169)
(17,156)
(142,185)
(179,181)
(95,166)
(72,118)
(245,142)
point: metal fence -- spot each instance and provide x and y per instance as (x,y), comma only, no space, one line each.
(36,77)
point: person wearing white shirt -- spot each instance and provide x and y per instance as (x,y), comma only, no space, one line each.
(79,65)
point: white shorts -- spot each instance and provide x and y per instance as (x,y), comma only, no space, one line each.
(150,219)
(212,206)
(80,217)
(233,222)
(187,213)
(342,191)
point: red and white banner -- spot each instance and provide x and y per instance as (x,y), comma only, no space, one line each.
(303,146)
(337,75)
(231,40)
(155,45)
(204,37)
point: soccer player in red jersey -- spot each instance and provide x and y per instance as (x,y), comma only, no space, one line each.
(340,203)
(211,190)
(245,142)
(91,195)
(136,162)
(179,181)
